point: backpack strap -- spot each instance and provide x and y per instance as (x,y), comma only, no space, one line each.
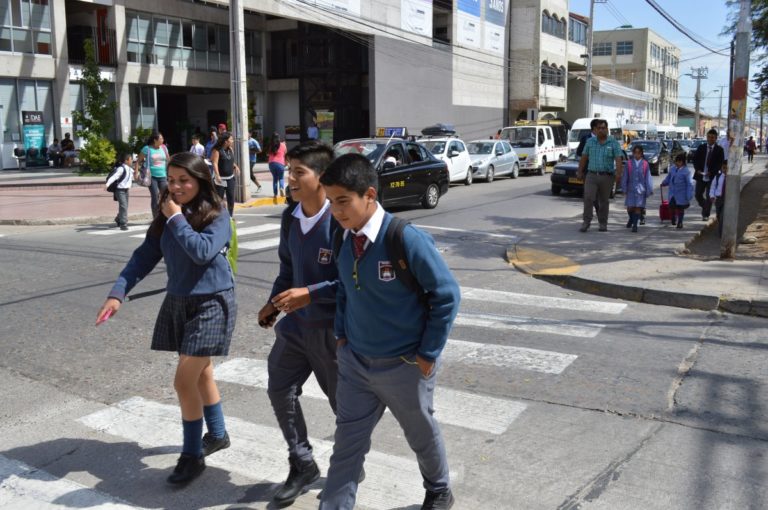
(393,240)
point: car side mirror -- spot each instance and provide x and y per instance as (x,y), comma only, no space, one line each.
(388,165)
(453,154)
(499,152)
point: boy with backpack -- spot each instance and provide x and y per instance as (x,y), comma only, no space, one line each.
(305,290)
(119,182)
(395,303)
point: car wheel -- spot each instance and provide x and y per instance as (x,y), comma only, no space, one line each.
(468,179)
(515,171)
(556,189)
(490,174)
(543,167)
(431,197)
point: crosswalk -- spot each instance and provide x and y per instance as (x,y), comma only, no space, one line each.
(487,337)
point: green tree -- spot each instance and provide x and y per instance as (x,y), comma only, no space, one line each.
(759,11)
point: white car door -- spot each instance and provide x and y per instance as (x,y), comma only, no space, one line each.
(460,160)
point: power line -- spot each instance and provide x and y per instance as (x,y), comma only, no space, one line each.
(682,29)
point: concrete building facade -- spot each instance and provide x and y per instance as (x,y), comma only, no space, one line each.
(640,59)
(348,65)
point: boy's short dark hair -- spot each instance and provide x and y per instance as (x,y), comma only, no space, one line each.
(196,137)
(124,156)
(680,157)
(313,154)
(353,172)
(598,123)
(712,132)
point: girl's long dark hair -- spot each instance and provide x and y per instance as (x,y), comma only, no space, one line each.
(201,210)
(153,138)
(275,143)
(221,141)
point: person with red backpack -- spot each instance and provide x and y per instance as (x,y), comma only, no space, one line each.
(637,184)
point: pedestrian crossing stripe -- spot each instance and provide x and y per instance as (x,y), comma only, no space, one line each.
(261,244)
(23,487)
(452,407)
(516,298)
(258,451)
(506,356)
(533,324)
(114,231)
(257,229)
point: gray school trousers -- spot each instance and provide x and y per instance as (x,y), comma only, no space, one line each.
(367,386)
(298,351)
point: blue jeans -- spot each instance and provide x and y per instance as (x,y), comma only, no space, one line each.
(277,170)
(156,188)
(365,388)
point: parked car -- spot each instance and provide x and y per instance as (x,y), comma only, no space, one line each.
(493,158)
(674,147)
(656,152)
(453,151)
(692,149)
(564,175)
(408,173)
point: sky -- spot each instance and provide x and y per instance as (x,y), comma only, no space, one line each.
(704,18)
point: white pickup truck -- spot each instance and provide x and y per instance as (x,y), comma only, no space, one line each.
(538,145)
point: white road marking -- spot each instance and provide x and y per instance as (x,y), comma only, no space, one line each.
(258,229)
(475,232)
(258,451)
(515,298)
(23,486)
(261,244)
(113,231)
(505,356)
(452,407)
(535,324)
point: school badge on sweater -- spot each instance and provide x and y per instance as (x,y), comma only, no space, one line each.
(324,256)
(386,271)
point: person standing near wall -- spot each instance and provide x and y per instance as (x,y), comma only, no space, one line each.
(225,169)
(155,156)
(276,160)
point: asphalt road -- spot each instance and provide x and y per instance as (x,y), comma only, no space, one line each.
(548,399)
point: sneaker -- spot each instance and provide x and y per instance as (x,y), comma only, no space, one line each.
(680,225)
(298,478)
(117,221)
(642,220)
(634,228)
(629,223)
(187,469)
(438,500)
(213,444)
(258,188)
(123,227)
(603,228)
(584,227)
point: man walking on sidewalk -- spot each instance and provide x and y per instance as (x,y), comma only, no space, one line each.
(602,160)
(707,162)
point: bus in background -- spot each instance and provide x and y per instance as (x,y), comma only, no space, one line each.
(580,128)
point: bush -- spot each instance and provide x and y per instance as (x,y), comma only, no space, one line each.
(97,155)
(139,139)
(122,147)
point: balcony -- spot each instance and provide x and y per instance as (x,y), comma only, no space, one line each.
(104,44)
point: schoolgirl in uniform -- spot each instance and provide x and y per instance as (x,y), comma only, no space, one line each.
(198,315)
(680,182)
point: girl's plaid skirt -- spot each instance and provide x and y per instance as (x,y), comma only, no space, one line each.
(196,325)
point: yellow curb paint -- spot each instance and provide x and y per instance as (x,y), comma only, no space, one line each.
(260,202)
(539,262)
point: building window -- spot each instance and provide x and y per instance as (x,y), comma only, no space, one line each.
(552,75)
(577,32)
(553,25)
(185,44)
(624,48)
(602,49)
(25,26)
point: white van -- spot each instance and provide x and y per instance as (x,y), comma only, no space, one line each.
(537,144)
(580,128)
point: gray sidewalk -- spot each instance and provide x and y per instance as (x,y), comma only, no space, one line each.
(649,266)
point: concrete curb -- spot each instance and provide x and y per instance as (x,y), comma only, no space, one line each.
(261,202)
(52,185)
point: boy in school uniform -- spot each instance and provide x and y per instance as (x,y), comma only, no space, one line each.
(305,290)
(389,338)
(124,177)
(196,147)
(717,197)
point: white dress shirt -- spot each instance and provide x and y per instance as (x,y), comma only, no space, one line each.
(308,223)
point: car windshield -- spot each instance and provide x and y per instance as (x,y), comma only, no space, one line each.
(648,146)
(368,148)
(575,135)
(696,144)
(520,136)
(480,148)
(435,147)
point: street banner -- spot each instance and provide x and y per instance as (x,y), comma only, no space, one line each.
(468,23)
(416,16)
(495,21)
(33,130)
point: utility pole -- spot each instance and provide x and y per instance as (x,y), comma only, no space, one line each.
(738,109)
(590,40)
(698,74)
(239,96)
(720,110)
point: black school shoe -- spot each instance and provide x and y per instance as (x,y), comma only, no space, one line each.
(214,444)
(438,500)
(187,469)
(299,477)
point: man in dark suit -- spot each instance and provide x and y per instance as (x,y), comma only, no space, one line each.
(580,148)
(707,161)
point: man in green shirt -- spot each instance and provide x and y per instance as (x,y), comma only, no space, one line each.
(602,160)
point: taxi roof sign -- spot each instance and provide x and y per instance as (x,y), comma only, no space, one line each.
(400,132)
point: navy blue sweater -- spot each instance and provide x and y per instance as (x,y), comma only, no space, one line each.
(306,260)
(193,260)
(378,315)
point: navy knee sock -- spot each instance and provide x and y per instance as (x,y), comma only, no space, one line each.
(193,437)
(214,419)
(635,219)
